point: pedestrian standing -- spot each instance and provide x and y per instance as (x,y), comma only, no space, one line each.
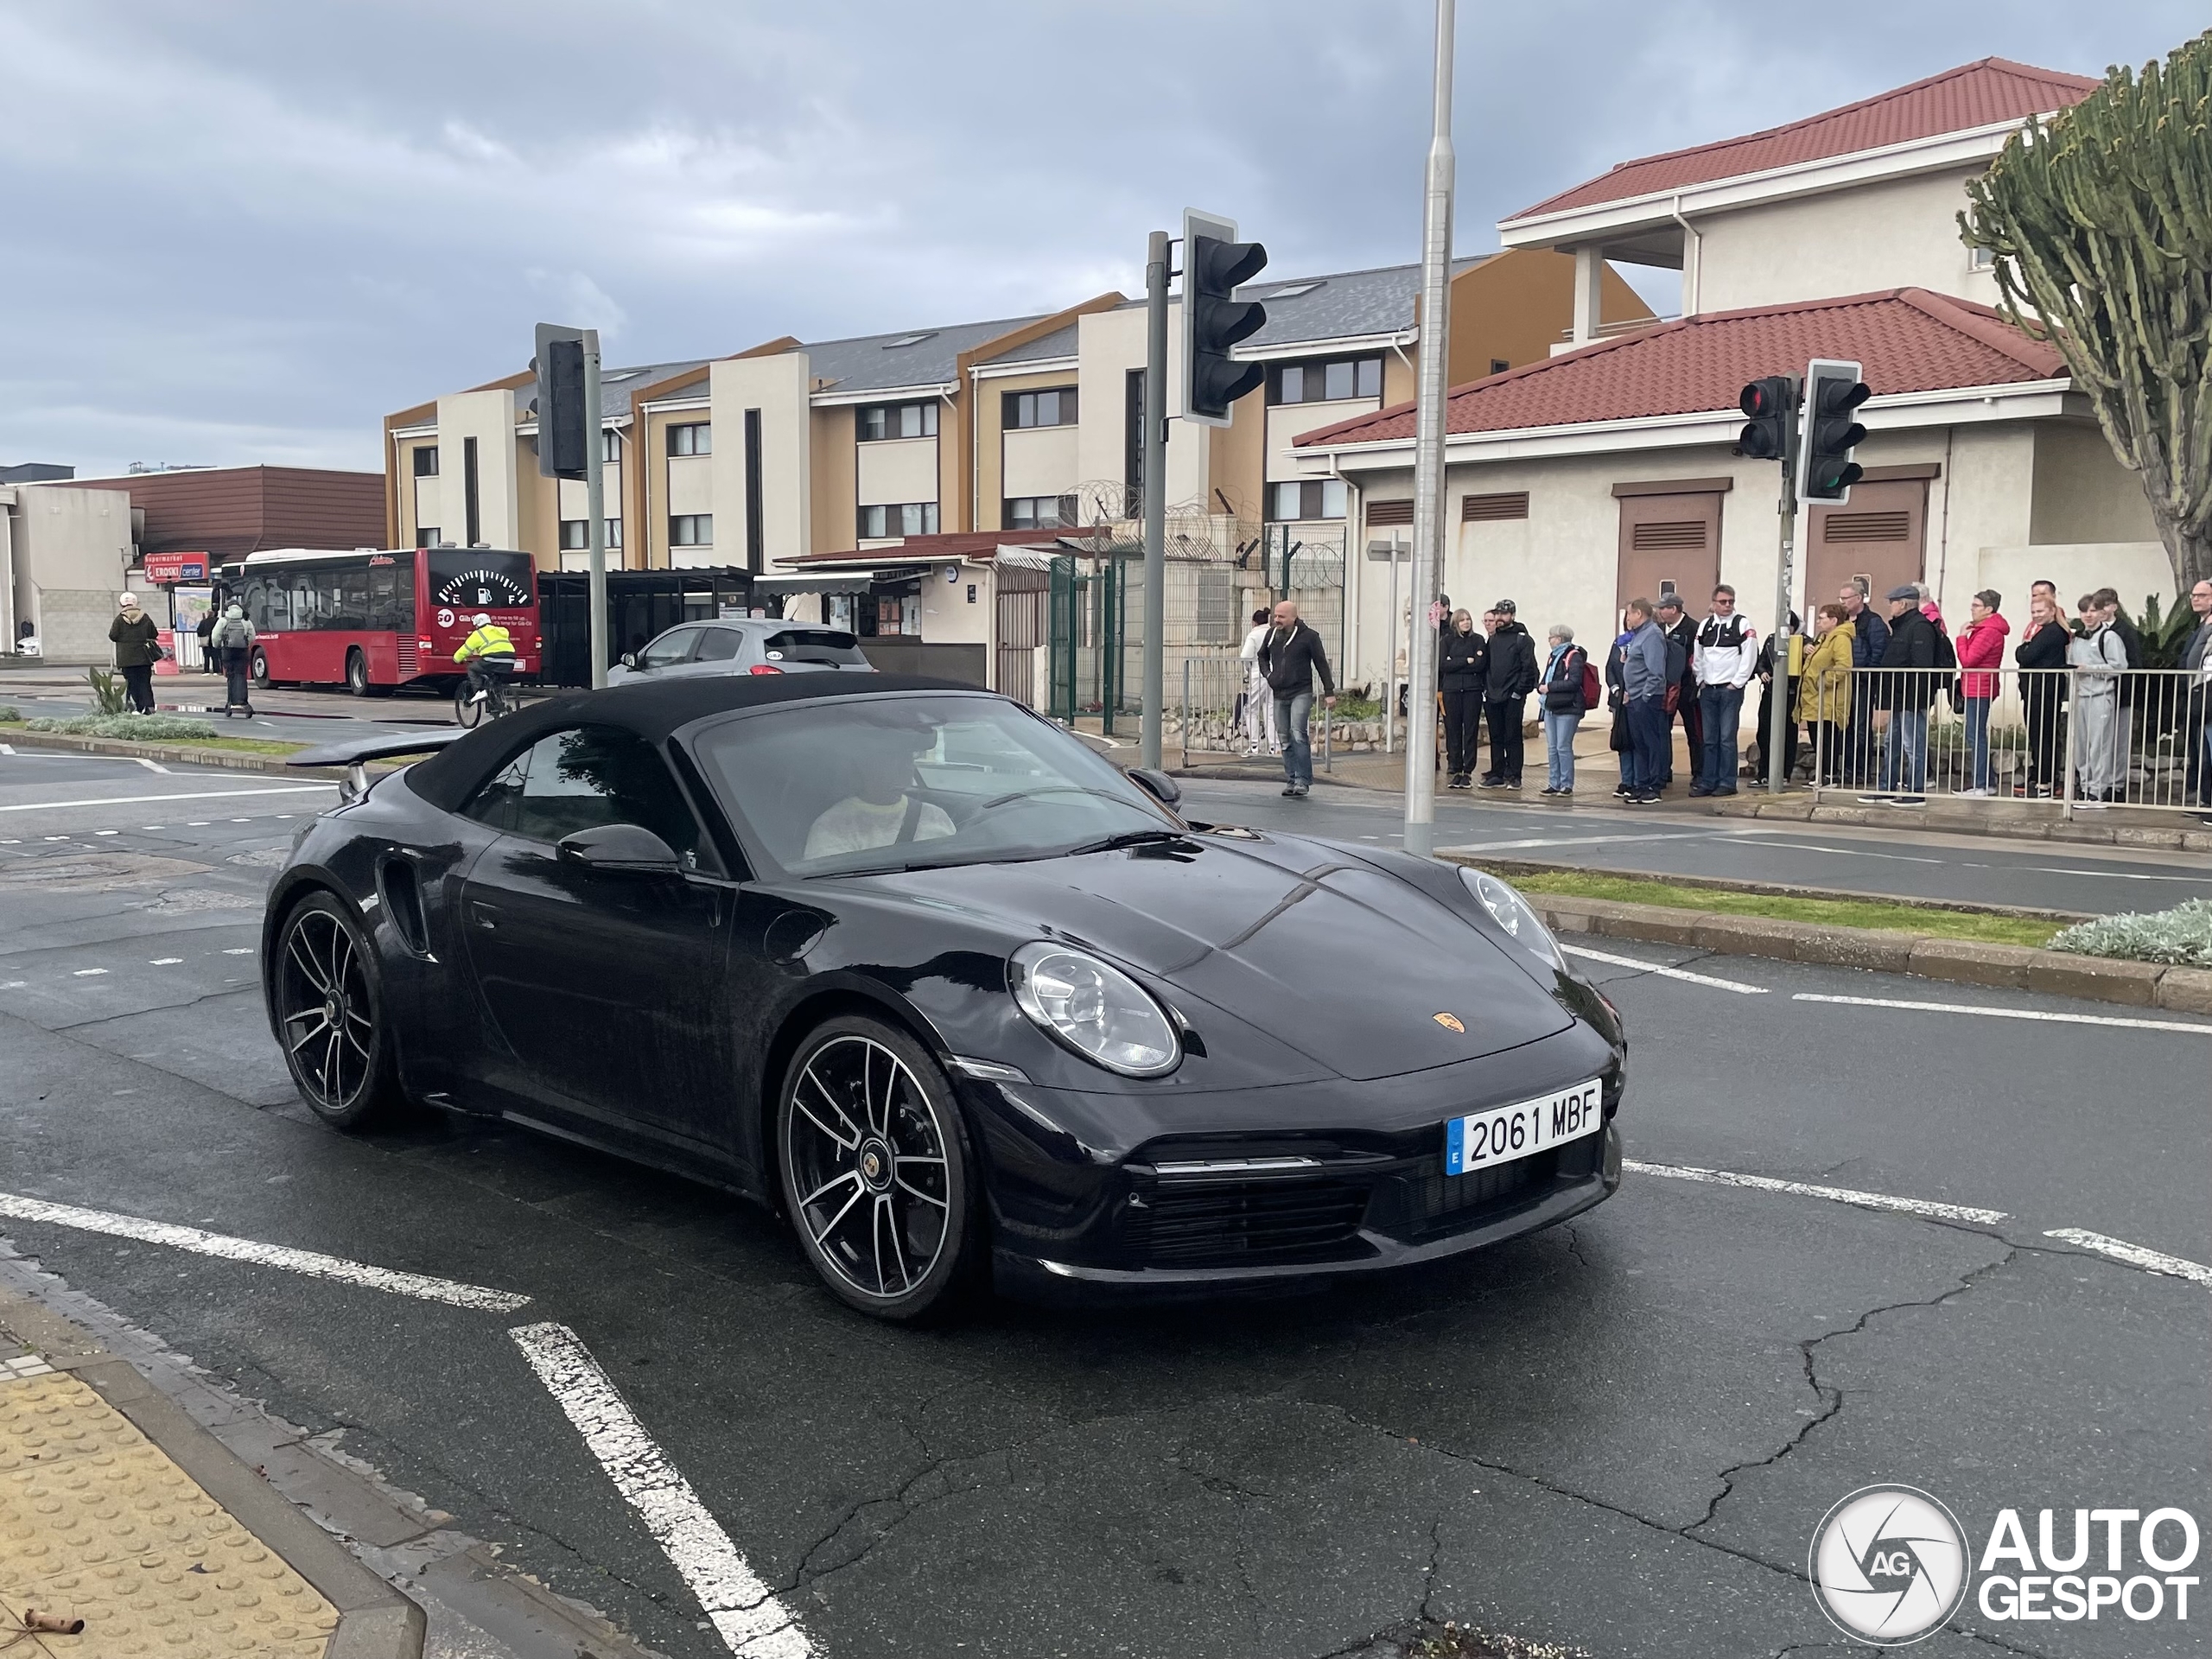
(1259,701)
(1290,656)
(2130,644)
(1762,726)
(2099,658)
(1870,638)
(1824,694)
(1645,675)
(1681,643)
(1908,686)
(2041,657)
(1620,738)
(2197,658)
(1561,683)
(1510,678)
(1981,651)
(204,631)
(232,640)
(1722,659)
(1459,672)
(137,647)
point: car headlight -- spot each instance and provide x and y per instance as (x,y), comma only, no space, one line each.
(1512,912)
(1094,1008)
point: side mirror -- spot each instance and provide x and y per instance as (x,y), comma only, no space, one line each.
(629,659)
(629,848)
(1158,784)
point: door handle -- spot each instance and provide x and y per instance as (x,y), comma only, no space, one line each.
(485,916)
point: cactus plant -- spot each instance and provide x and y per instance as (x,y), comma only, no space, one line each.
(2099,221)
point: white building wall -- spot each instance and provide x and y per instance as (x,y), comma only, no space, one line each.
(1108,343)
(575,494)
(1902,233)
(691,489)
(779,387)
(1288,422)
(891,470)
(488,417)
(66,551)
(1041,460)
(948,617)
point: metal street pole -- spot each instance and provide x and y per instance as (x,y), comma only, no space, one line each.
(596,507)
(1155,494)
(1428,460)
(1780,715)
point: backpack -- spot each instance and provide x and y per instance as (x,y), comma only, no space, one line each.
(1947,662)
(1592,692)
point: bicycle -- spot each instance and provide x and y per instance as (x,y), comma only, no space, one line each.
(468,712)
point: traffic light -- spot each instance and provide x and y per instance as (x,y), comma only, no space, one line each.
(1771,403)
(1833,394)
(1214,263)
(563,425)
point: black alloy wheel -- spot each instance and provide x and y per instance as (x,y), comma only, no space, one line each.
(357,672)
(330,1013)
(260,666)
(876,1170)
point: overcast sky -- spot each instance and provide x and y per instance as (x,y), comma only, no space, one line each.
(244,231)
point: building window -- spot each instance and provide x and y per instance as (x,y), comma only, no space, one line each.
(1315,497)
(575,534)
(1499,365)
(1025,408)
(426,460)
(691,530)
(1324,380)
(610,445)
(429,536)
(1039,512)
(880,421)
(1488,509)
(899,519)
(1977,259)
(693,438)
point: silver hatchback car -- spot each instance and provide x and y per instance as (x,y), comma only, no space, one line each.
(743,644)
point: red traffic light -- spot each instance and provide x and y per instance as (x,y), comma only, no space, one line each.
(1772,403)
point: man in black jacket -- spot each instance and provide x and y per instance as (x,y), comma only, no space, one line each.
(1681,647)
(1290,657)
(1906,690)
(1511,676)
(1870,638)
(2196,776)
(1459,672)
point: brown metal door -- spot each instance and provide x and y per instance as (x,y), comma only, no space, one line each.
(1878,537)
(1021,631)
(1670,544)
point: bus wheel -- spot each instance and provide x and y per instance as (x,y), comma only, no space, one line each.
(261,668)
(357,672)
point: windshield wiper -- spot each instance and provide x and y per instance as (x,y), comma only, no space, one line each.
(1047,789)
(1127,838)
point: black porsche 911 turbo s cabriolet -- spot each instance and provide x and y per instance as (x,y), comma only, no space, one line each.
(955,994)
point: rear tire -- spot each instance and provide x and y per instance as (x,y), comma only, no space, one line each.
(260,667)
(328,998)
(877,1174)
(468,713)
(356,673)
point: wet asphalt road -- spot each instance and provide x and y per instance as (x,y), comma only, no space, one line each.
(1617,1435)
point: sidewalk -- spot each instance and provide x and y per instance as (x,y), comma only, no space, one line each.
(119,1510)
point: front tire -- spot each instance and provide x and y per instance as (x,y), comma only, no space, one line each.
(468,713)
(877,1175)
(260,666)
(330,1013)
(356,673)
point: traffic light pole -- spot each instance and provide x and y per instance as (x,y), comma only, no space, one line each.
(596,507)
(1155,494)
(1779,716)
(1428,460)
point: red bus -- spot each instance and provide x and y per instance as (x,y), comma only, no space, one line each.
(373,620)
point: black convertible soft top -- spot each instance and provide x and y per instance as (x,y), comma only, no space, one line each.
(652,709)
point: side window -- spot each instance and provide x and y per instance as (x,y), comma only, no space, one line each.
(594,775)
(493,803)
(719,645)
(670,648)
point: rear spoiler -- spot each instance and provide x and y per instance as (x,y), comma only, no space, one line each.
(355,753)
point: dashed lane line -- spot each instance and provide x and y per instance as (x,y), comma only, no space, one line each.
(1735,985)
(2136,1255)
(1585,841)
(189,795)
(1928,1207)
(745,1611)
(312,1263)
(2005,1014)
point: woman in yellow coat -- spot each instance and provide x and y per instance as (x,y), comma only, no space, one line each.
(1824,695)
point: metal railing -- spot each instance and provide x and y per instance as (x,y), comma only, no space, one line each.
(1218,716)
(2081,738)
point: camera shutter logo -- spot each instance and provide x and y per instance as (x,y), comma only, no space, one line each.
(1889,1565)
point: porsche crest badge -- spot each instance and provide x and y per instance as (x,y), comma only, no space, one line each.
(1449,1021)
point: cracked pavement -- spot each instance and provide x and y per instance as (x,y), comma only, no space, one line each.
(1616,1436)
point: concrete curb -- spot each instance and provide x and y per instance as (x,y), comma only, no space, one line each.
(375,1621)
(183,753)
(2011,967)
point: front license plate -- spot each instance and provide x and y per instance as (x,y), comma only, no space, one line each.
(1505,1133)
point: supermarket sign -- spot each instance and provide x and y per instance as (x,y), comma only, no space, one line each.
(167,568)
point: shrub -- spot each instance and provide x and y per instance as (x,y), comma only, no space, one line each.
(10,712)
(142,729)
(2181,936)
(110,695)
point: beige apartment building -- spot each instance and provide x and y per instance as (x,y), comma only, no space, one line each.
(793,448)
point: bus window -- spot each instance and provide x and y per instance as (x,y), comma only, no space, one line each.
(352,610)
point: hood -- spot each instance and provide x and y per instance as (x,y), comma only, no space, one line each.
(1335,958)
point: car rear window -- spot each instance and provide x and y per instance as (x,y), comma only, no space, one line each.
(814,645)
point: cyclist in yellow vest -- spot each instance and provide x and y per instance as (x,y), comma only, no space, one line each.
(487,639)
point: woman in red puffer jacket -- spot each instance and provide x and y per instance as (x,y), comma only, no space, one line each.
(1981,648)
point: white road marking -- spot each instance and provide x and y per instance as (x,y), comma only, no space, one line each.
(240,950)
(195,795)
(107,832)
(310,1263)
(745,1611)
(1735,985)
(2006,1014)
(87,973)
(1581,841)
(2135,1256)
(1854,852)
(1805,1190)
(163,962)
(152,766)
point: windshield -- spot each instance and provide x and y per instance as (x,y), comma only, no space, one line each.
(833,788)
(470,577)
(829,646)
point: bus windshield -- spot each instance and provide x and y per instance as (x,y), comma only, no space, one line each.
(476,577)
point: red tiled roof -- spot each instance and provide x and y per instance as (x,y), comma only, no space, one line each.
(1973,95)
(1907,339)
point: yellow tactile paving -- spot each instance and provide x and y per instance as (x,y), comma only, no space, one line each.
(95,1522)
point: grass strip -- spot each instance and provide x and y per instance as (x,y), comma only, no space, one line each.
(1826,912)
(232,745)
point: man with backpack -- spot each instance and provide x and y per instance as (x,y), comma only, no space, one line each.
(1510,678)
(232,639)
(1724,654)
(1570,687)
